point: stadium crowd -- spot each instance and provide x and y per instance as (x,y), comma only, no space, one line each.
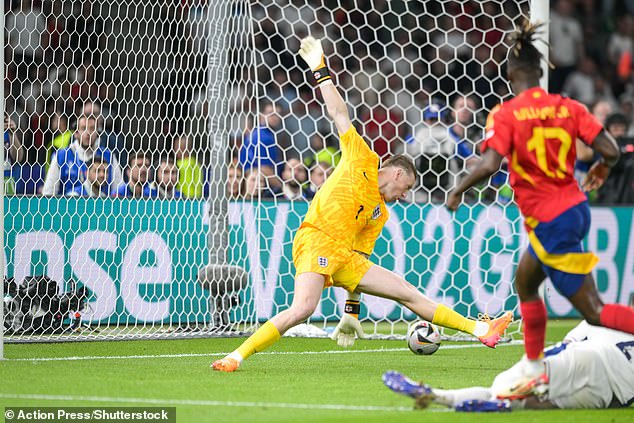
(422,82)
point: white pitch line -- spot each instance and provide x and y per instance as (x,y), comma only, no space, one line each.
(222,354)
(207,403)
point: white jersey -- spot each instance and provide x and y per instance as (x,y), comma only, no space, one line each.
(590,369)
(605,356)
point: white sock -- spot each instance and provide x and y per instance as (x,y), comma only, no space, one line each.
(236,356)
(534,367)
(481,329)
(453,397)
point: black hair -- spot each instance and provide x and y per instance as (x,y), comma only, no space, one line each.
(138,155)
(523,55)
(96,159)
(167,159)
(616,118)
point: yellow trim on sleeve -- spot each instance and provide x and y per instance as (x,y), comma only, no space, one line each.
(531,222)
(577,263)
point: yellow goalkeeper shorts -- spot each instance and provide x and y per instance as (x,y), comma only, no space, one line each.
(314,251)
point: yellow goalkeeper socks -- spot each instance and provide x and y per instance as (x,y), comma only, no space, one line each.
(444,316)
(263,338)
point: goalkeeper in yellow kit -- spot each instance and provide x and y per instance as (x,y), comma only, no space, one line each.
(338,234)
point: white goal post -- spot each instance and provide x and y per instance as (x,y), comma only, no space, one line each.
(178,89)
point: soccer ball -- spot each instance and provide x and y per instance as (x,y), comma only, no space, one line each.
(423,338)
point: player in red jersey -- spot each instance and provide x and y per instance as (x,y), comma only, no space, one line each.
(536,132)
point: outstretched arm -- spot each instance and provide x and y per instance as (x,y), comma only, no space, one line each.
(337,109)
(313,54)
(489,164)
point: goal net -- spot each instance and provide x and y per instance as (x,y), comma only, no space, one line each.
(116,105)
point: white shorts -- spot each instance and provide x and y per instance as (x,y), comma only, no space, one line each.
(578,378)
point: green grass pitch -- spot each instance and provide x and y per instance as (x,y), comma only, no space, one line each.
(296,380)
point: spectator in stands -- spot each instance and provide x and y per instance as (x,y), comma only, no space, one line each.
(107,138)
(617,125)
(62,135)
(301,121)
(323,150)
(580,83)
(138,172)
(601,110)
(318,175)
(433,150)
(13,153)
(190,174)
(259,148)
(464,130)
(166,179)
(466,134)
(620,48)
(95,182)
(603,90)
(67,164)
(235,181)
(256,187)
(435,117)
(566,38)
(294,178)
(619,186)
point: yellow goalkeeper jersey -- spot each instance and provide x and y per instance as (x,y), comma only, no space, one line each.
(349,207)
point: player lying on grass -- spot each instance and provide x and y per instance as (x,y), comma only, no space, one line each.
(536,132)
(593,367)
(340,229)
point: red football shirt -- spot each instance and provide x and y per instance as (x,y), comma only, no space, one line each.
(536,132)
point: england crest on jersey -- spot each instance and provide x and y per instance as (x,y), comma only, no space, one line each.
(376,213)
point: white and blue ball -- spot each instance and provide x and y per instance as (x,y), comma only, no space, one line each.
(423,338)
